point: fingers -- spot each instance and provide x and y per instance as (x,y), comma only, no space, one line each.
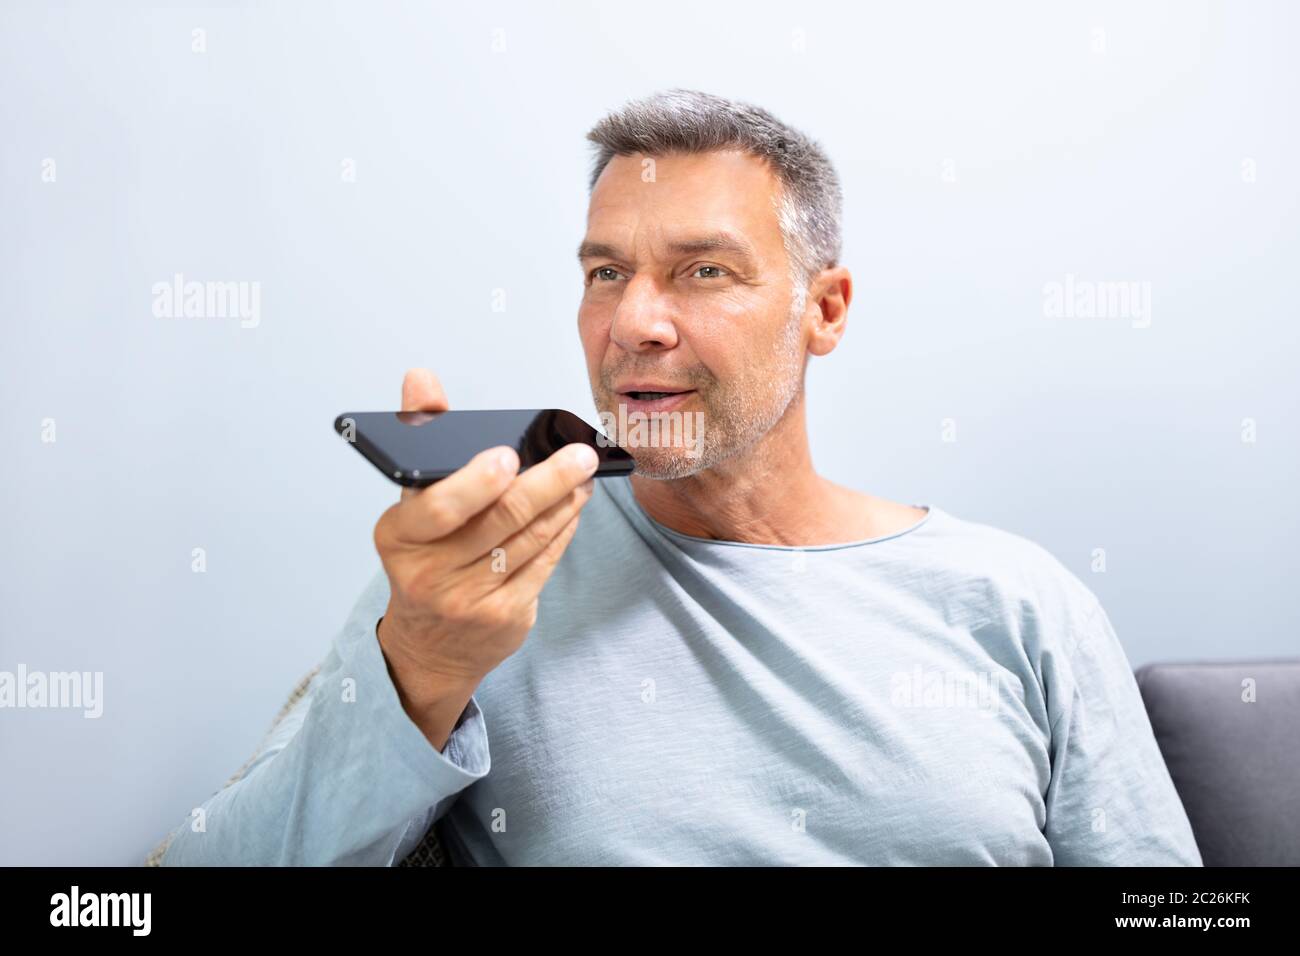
(434,512)
(526,583)
(422,392)
(522,547)
(529,495)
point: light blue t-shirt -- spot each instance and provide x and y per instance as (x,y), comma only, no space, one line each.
(947,695)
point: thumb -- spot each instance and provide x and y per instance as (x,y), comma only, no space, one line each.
(422,392)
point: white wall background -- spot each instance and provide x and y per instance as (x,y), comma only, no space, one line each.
(985,149)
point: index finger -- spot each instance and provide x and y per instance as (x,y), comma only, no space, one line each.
(433,512)
(540,487)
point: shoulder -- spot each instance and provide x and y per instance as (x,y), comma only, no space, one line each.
(981,575)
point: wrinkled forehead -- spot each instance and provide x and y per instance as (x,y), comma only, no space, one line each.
(642,204)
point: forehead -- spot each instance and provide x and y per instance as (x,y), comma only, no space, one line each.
(724,191)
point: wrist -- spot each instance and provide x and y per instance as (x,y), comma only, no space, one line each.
(435,702)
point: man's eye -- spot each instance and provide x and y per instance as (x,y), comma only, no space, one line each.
(607,273)
(717,272)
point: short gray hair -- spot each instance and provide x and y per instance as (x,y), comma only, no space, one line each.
(688,121)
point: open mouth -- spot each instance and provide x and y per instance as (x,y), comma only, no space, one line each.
(646,401)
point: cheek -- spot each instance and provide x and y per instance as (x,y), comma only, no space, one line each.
(722,327)
(596,308)
(741,342)
(593,333)
(726,311)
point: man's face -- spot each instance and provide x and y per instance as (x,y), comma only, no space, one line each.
(688,287)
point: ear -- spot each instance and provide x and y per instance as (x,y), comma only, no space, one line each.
(829,294)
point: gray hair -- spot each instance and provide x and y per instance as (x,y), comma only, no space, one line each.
(688,121)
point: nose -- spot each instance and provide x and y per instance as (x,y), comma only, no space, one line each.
(643,321)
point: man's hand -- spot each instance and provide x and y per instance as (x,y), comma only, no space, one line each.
(466,559)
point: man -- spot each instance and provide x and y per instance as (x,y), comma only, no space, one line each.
(735,661)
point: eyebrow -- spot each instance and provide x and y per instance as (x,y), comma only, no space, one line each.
(714,242)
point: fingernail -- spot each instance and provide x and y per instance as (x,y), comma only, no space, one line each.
(586,457)
(505,460)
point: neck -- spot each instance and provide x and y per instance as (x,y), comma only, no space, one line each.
(767,494)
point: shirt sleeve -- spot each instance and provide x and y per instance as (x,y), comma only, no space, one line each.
(1110,800)
(346,778)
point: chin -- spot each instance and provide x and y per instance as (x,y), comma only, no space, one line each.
(665,466)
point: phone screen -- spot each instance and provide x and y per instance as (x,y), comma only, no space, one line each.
(418,448)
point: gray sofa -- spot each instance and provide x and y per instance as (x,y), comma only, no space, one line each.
(1230,735)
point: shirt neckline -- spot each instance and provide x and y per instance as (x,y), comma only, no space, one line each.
(633,507)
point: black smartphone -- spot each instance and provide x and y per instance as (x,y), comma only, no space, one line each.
(416,449)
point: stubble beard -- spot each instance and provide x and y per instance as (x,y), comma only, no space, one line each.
(735,416)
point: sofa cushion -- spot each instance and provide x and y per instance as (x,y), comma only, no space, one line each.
(1230,735)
